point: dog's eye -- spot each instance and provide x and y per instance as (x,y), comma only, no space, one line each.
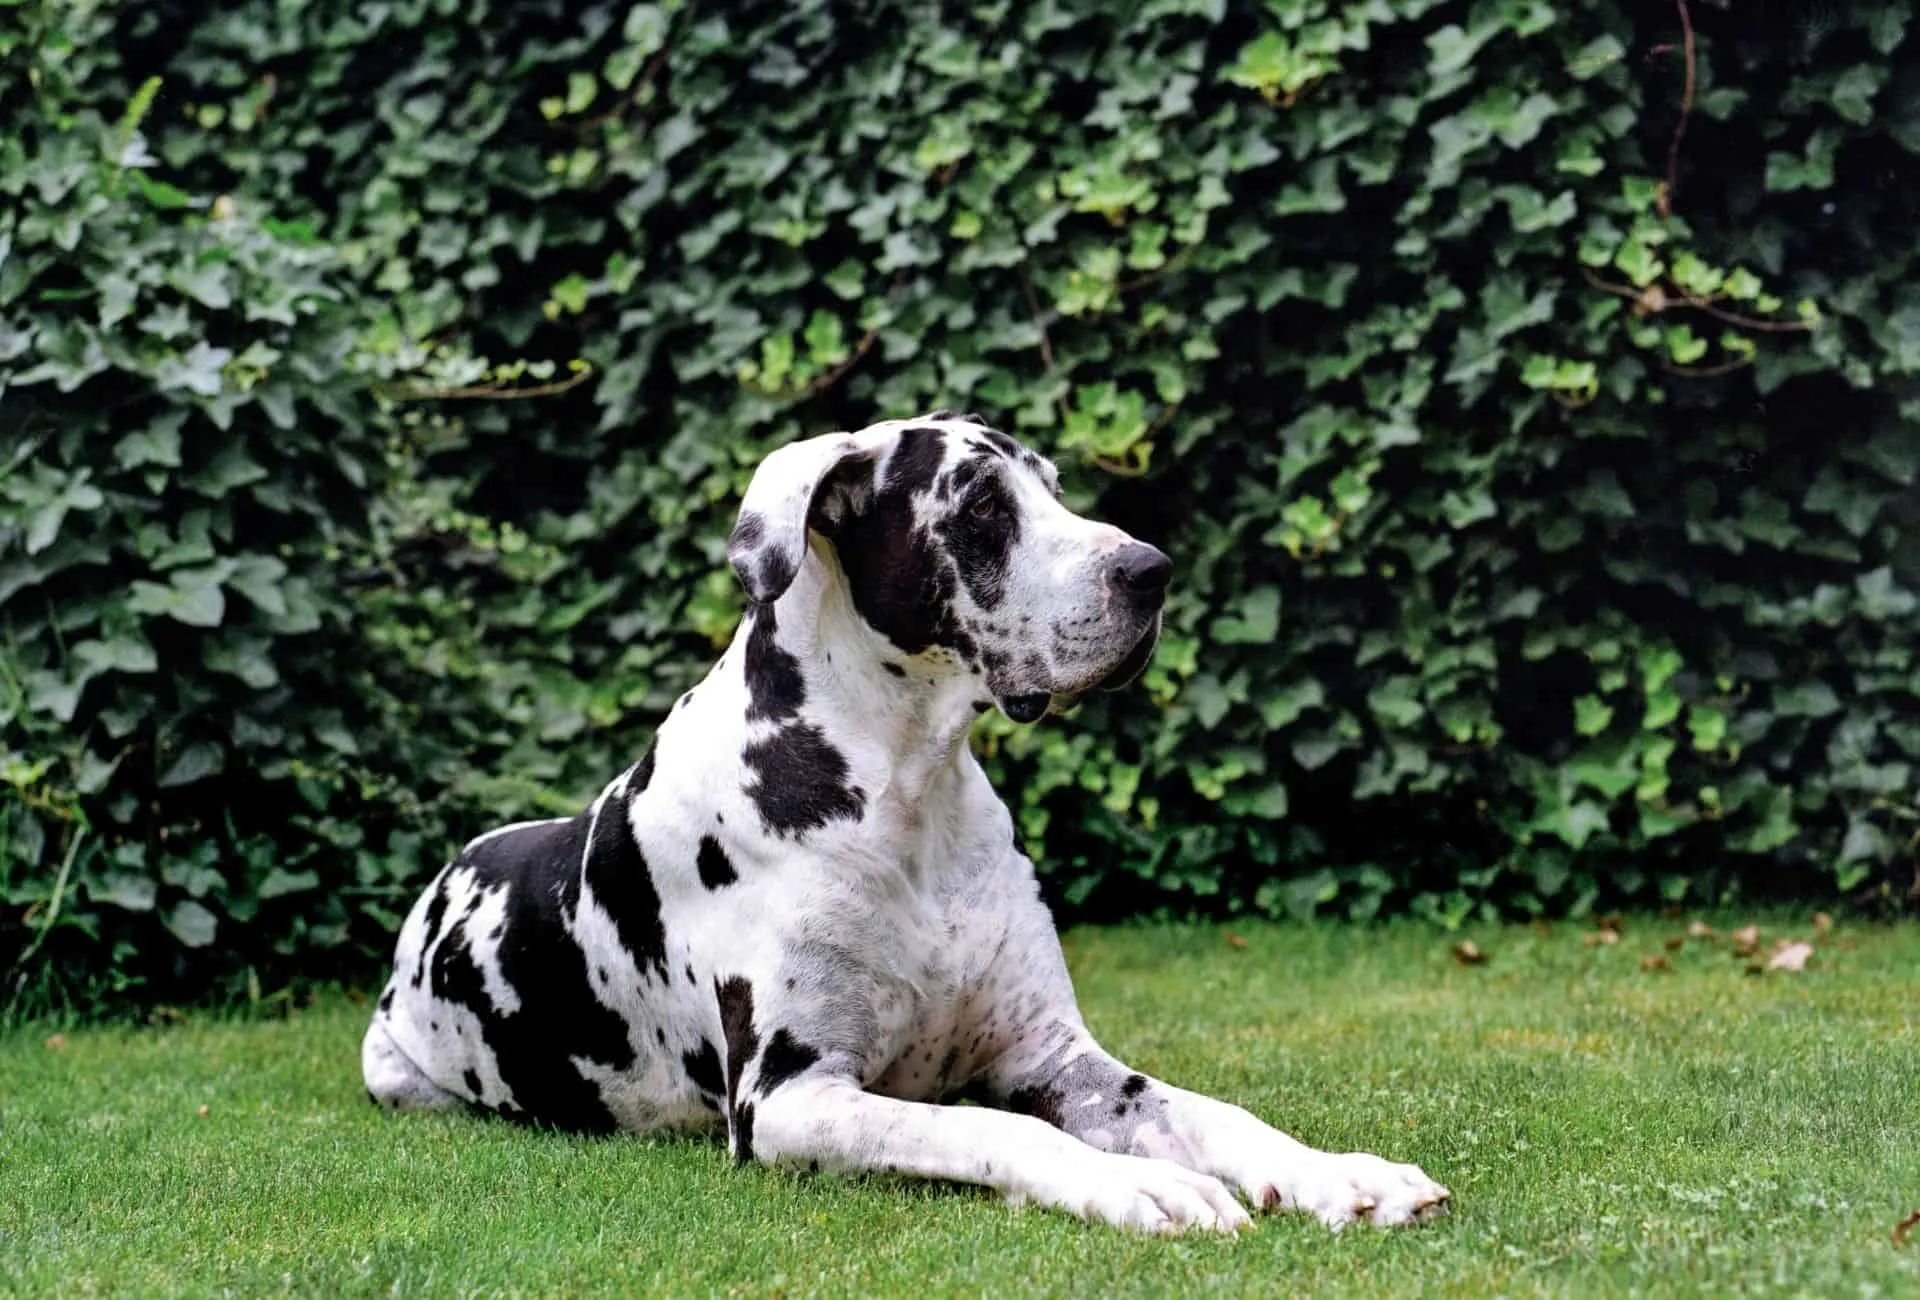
(985,506)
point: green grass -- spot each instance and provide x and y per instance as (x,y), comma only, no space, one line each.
(1605,1130)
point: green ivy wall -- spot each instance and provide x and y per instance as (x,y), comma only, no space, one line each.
(376,387)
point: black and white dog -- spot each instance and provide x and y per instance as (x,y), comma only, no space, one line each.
(804,913)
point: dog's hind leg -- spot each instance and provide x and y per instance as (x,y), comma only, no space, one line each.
(393,1080)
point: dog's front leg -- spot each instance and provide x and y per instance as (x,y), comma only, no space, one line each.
(1060,1074)
(831,1123)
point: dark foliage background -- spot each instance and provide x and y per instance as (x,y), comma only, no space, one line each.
(377,382)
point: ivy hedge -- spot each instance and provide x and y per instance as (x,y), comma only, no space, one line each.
(1528,394)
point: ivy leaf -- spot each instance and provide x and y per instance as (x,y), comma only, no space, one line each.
(191,923)
(281,882)
(1591,715)
(200,605)
(198,371)
(258,577)
(1813,699)
(1576,822)
(208,282)
(1880,598)
(125,890)
(195,762)
(1256,623)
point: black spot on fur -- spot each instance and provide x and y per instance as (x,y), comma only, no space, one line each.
(703,1068)
(1041,1102)
(436,913)
(766,571)
(1004,445)
(1135,1085)
(558,1018)
(660,1034)
(800,781)
(894,668)
(735,995)
(600,973)
(622,883)
(716,868)
(777,571)
(982,549)
(386,1000)
(981,706)
(747,532)
(643,773)
(785,1057)
(775,688)
(690,978)
(743,1132)
(901,584)
(472,1079)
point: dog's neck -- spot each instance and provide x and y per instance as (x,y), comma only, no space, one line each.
(919,716)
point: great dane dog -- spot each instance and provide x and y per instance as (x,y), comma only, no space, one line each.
(804,913)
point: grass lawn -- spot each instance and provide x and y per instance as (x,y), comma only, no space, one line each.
(1606,1130)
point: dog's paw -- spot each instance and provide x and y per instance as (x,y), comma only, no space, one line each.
(1352,1188)
(1144,1195)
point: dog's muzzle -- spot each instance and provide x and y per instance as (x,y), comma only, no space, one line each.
(1135,663)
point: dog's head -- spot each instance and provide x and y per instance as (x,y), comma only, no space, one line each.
(950,541)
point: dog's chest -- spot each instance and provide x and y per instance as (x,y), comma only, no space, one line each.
(929,1021)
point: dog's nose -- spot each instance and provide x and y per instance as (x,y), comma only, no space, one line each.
(1140,570)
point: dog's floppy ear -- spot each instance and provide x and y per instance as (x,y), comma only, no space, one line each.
(770,539)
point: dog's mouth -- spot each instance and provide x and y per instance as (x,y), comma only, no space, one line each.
(1032,706)
(1135,663)
(1025,708)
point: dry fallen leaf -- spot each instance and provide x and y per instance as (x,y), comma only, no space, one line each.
(1600,937)
(1236,941)
(1614,923)
(1793,957)
(1822,925)
(1906,1225)
(1468,953)
(1699,930)
(1655,961)
(1746,941)
(203,1112)
(57,1043)
(1675,943)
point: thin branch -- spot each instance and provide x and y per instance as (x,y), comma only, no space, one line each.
(486,392)
(1033,305)
(1665,201)
(1747,322)
(59,894)
(632,97)
(1168,267)
(821,383)
(1706,372)
(1654,299)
